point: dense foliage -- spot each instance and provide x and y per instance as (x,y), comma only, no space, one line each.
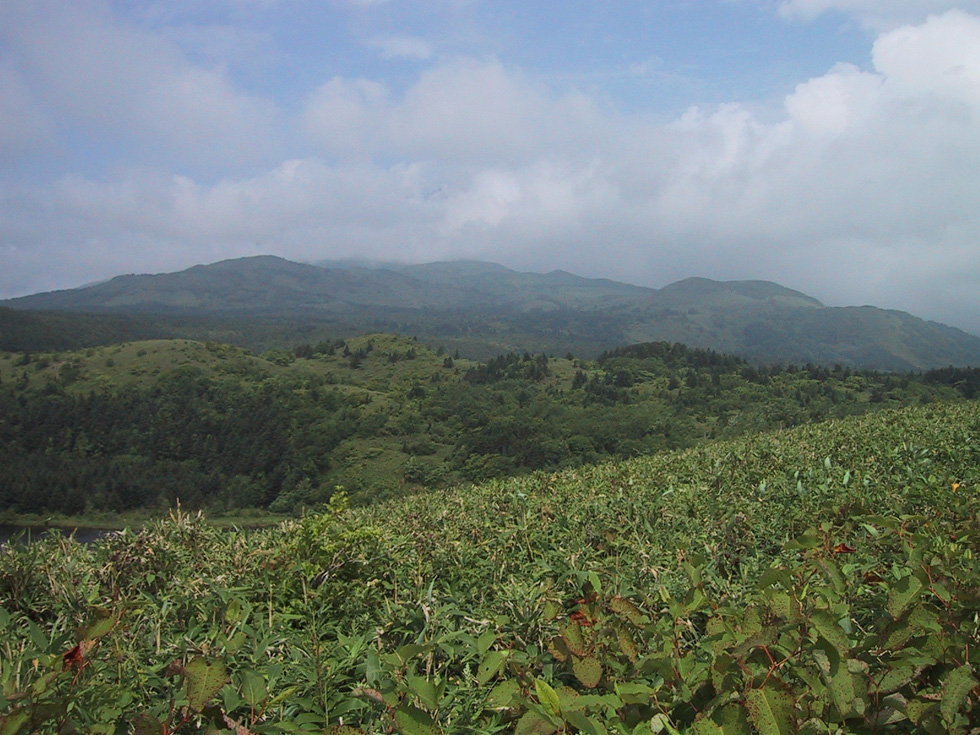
(816,580)
(142,425)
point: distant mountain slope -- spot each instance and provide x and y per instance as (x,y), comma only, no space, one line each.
(484,309)
(29,331)
(705,292)
(261,284)
(492,283)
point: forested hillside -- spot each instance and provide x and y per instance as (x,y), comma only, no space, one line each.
(139,426)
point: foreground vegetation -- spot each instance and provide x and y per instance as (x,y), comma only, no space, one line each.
(138,426)
(817,580)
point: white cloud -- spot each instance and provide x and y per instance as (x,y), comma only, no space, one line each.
(840,101)
(342,117)
(861,188)
(461,110)
(938,59)
(116,79)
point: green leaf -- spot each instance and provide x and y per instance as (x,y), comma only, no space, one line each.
(233,612)
(490,666)
(627,609)
(829,629)
(144,724)
(918,710)
(343,730)
(842,688)
(635,693)
(729,720)
(707,726)
(532,723)
(587,670)
(551,610)
(410,651)
(14,722)
(235,643)
(502,696)
(810,539)
(594,581)
(941,592)
(834,576)
(890,711)
(771,710)
(956,688)
(733,720)
(414,721)
(484,642)
(626,644)
(571,633)
(559,649)
(203,681)
(584,724)
(725,673)
(783,606)
(570,700)
(254,690)
(548,697)
(902,594)
(661,723)
(424,689)
(99,626)
(283,695)
(897,677)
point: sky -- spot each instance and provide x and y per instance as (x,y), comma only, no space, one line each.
(832,146)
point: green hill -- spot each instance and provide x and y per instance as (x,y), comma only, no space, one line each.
(483,309)
(138,425)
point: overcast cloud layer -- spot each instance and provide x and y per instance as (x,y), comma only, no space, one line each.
(151,136)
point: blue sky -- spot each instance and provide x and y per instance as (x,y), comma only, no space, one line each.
(832,146)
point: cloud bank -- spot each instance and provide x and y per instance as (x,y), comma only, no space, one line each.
(860,186)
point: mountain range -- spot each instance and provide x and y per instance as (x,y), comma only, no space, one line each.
(483,309)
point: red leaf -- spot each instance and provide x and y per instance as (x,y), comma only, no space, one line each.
(72,658)
(581,618)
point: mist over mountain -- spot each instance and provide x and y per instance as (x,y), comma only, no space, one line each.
(484,309)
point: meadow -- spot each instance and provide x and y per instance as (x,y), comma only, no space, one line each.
(820,579)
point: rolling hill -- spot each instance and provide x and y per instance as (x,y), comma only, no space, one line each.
(484,309)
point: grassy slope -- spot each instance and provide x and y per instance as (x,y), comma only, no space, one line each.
(738,499)
(429,588)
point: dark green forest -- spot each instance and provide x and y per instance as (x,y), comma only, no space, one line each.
(143,425)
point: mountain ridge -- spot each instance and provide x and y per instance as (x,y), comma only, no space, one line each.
(487,308)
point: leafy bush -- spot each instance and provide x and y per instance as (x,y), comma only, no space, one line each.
(819,580)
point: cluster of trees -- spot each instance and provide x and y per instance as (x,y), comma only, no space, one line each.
(385,420)
(226,442)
